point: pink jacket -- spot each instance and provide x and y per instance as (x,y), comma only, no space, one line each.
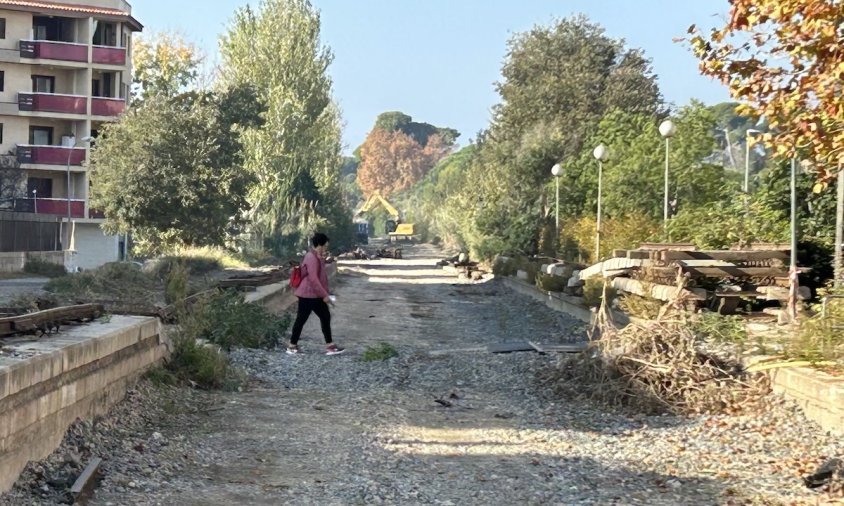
(314,280)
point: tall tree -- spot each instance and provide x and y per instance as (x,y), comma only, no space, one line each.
(296,156)
(169,172)
(783,60)
(394,161)
(164,64)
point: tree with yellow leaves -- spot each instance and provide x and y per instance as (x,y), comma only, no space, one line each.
(784,61)
(164,64)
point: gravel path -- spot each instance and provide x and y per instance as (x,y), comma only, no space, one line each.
(318,430)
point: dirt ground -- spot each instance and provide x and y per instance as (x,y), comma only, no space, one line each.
(445,422)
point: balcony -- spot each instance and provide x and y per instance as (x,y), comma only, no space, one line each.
(53,102)
(54,207)
(49,50)
(49,155)
(102,106)
(108,55)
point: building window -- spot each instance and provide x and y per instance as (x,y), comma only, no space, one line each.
(41,136)
(43,84)
(2,80)
(1,133)
(41,185)
(2,28)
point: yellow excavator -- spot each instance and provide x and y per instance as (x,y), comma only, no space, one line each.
(396,230)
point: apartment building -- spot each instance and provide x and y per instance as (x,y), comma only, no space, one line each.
(65,70)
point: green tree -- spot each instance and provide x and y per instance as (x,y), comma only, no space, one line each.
(295,158)
(558,82)
(168,172)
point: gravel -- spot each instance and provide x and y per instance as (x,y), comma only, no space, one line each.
(453,428)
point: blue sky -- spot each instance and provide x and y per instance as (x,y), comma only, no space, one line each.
(437,60)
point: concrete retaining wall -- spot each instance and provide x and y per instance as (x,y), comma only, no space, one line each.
(820,395)
(14,262)
(48,384)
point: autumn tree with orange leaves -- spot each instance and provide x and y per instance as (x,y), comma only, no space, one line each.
(394,161)
(784,61)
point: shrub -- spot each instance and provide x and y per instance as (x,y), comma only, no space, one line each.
(39,267)
(551,283)
(382,351)
(577,236)
(197,261)
(504,266)
(118,281)
(176,283)
(820,338)
(205,366)
(720,328)
(640,307)
(226,320)
(593,292)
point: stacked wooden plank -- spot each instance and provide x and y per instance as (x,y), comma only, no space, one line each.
(658,270)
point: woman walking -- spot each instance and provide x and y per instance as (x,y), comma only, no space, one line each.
(314,296)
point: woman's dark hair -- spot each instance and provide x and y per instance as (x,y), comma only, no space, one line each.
(319,239)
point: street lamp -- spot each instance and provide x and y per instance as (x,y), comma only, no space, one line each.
(35,201)
(793,277)
(601,153)
(85,140)
(557,171)
(667,130)
(750,132)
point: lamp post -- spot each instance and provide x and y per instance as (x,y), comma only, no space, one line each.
(793,278)
(839,232)
(85,140)
(748,134)
(667,130)
(601,153)
(557,171)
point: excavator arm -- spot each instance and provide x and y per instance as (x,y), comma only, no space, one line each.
(374,200)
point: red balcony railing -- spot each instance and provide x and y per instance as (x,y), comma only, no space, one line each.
(96,214)
(49,155)
(52,102)
(50,50)
(101,106)
(109,55)
(58,207)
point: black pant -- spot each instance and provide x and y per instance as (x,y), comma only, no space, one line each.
(319,307)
